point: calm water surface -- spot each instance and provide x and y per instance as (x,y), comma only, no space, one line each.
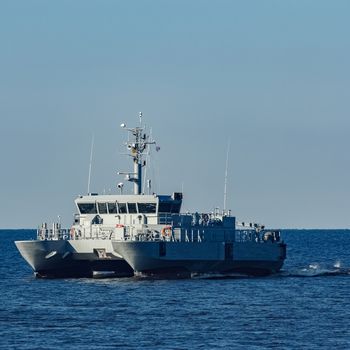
(307,306)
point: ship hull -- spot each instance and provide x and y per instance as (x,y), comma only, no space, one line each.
(63,258)
(181,258)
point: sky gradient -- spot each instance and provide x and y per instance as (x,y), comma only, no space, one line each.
(270,76)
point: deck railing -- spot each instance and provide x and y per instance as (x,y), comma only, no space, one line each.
(89,232)
(189,231)
(53,234)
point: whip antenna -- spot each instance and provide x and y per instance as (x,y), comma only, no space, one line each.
(91,152)
(226,172)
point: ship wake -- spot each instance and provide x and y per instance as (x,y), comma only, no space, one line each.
(311,270)
(317,270)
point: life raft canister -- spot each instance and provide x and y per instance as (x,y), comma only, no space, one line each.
(166,231)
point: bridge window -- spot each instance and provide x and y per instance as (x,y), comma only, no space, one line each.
(176,208)
(87,208)
(169,207)
(102,208)
(132,208)
(165,207)
(112,208)
(122,208)
(147,208)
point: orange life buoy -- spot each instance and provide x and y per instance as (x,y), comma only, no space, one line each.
(166,231)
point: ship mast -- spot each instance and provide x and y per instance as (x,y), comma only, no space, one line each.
(137,147)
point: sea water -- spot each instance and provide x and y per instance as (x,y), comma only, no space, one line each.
(306,306)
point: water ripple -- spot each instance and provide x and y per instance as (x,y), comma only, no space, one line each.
(283,311)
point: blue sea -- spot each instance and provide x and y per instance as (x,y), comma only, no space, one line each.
(306,306)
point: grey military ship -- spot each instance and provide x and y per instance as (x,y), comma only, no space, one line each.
(122,234)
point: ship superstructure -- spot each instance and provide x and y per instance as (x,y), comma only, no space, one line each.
(122,234)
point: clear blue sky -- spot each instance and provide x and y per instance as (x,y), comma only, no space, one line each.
(271,76)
